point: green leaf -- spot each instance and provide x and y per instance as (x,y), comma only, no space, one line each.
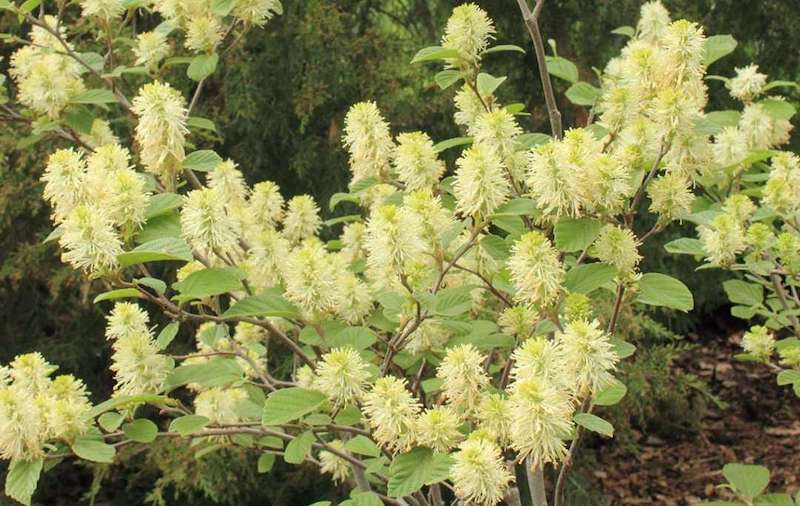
(712,123)
(530,140)
(434,53)
(748,480)
(265,304)
(201,123)
(21,480)
(202,66)
(487,83)
(157,250)
(265,462)
(788,377)
(79,119)
(93,449)
(516,207)
(742,292)
(594,423)
(611,395)
(622,349)
(775,500)
(222,7)
(350,415)
(215,372)
(586,278)
(718,46)
(156,285)
(451,143)
(410,471)
(359,338)
(362,445)
(447,78)
(582,93)
(110,421)
(298,448)
(781,84)
(336,198)
(743,312)
(361,498)
(163,203)
(496,247)
(778,109)
(203,160)
(452,301)
(505,47)
(627,31)
(166,335)
(685,246)
(141,430)
(188,424)
(575,234)
(54,235)
(208,282)
(288,404)
(562,68)
(122,293)
(164,226)
(661,290)
(97,96)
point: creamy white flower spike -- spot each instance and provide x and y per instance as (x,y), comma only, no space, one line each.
(160,133)
(367,139)
(535,269)
(479,473)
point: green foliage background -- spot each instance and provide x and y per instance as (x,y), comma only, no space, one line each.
(279,100)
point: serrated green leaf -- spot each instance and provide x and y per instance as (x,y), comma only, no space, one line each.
(157,250)
(586,278)
(203,160)
(359,338)
(611,395)
(788,377)
(97,96)
(22,478)
(583,93)
(516,207)
(410,471)
(93,449)
(265,462)
(713,122)
(202,66)
(661,290)
(452,301)
(594,423)
(289,404)
(575,234)
(487,83)
(141,430)
(434,53)
(201,123)
(562,68)
(451,143)
(447,78)
(627,31)
(207,282)
(742,292)
(215,372)
(778,109)
(622,349)
(685,246)
(122,293)
(156,285)
(298,448)
(496,247)
(110,421)
(166,335)
(748,480)
(718,46)
(362,445)
(530,140)
(188,424)
(265,304)
(505,47)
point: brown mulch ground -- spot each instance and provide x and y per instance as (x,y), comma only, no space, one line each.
(759,425)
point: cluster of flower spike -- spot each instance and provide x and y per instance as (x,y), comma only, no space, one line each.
(37,409)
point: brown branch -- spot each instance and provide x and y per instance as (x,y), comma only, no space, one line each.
(532,23)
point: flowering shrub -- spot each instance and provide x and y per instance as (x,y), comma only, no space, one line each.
(451,330)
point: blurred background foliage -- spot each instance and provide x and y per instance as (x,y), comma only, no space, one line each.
(279,100)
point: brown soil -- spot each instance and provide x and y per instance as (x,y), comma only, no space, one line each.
(759,425)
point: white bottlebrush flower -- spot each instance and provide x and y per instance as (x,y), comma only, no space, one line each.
(468,32)
(31,373)
(353,241)
(684,47)
(671,196)
(604,183)
(494,417)
(367,139)
(551,183)
(539,357)
(138,367)
(431,334)
(160,133)
(105,9)
(353,298)
(219,404)
(257,12)
(67,406)
(535,269)
(332,464)
(653,21)
(518,320)
(759,342)
(127,201)
(100,134)
(479,473)
(617,246)
(391,412)
(427,209)
(757,126)
(469,106)
(342,375)
(203,33)
(302,219)
(126,319)
(22,431)
(268,252)
(782,191)
(265,207)
(46,81)
(437,428)
(464,377)
(311,278)
(739,206)
(89,241)
(394,237)
(229,182)
(481,184)
(747,84)
(416,162)
(498,130)
(541,417)
(63,177)
(588,355)
(723,238)
(206,225)
(730,146)
(151,48)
